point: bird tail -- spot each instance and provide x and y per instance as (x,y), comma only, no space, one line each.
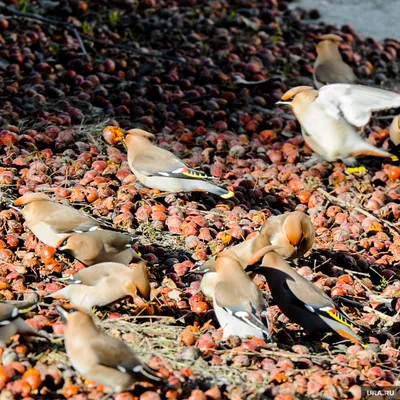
(368,150)
(15,208)
(221,192)
(143,372)
(254,321)
(340,323)
(150,375)
(215,189)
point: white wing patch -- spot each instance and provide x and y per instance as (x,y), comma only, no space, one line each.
(310,308)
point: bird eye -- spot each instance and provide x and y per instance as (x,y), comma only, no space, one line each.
(291,99)
(64,243)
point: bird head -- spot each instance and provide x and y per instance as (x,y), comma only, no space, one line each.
(85,244)
(331,37)
(141,279)
(140,133)
(295,226)
(71,314)
(66,244)
(137,140)
(30,198)
(299,97)
(328,46)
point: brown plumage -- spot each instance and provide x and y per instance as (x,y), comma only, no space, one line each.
(292,231)
(105,283)
(102,358)
(53,222)
(11,323)
(238,302)
(329,66)
(160,169)
(300,300)
(100,246)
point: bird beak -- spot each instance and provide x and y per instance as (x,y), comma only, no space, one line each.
(286,103)
(63,314)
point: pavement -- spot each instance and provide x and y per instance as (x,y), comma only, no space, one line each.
(371,18)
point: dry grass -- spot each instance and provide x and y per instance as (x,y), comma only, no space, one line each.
(160,338)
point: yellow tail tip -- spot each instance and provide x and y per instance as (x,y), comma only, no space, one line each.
(354,170)
(228,195)
(394,158)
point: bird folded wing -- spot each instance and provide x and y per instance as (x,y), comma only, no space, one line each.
(355,102)
(324,73)
(158,163)
(315,298)
(240,307)
(65,222)
(7,314)
(112,352)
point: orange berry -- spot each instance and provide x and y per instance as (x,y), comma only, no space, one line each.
(394,172)
(32,376)
(70,390)
(304,197)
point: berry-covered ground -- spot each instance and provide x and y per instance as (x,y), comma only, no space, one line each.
(174,68)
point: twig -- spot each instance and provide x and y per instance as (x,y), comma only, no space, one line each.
(179,60)
(389,320)
(80,35)
(81,44)
(380,299)
(341,203)
(238,80)
(352,272)
(356,278)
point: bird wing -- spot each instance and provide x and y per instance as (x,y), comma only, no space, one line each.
(316,299)
(7,314)
(355,102)
(325,73)
(113,353)
(69,221)
(160,162)
(115,242)
(317,302)
(245,307)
